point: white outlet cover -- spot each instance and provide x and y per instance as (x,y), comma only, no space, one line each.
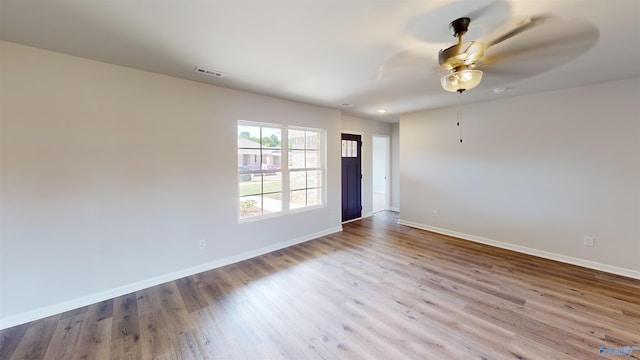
(588,241)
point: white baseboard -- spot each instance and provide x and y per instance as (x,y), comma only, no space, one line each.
(28,316)
(530,251)
(396,209)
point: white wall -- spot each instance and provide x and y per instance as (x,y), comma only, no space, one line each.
(110,176)
(366,128)
(535,173)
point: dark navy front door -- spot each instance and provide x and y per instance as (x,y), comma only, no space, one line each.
(351,177)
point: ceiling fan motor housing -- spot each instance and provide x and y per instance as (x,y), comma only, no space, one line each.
(468,54)
(463,54)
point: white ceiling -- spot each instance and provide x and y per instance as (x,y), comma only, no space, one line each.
(368,53)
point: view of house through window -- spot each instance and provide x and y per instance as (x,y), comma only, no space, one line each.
(259,169)
(305,171)
(266,187)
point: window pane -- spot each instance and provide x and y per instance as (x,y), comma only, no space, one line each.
(271,183)
(314,197)
(261,184)
(297,199)
(272,160)
(272,203)
(297,159)
(313,138)
(248,136)
(250,187)
(271,138)
(249,153)
(298,180)
(243,176)
(344,148)
(314,179)
(296,139)
(260,205)
(312,159)
(250,206)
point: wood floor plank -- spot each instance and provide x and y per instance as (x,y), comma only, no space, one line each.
(156,337)
(188,347)
(174,308)
(376,290)
(66,338)
(148,301)
(96,340)
(192,298)
(210,336)
(125,334)
(10,340)
(36,339)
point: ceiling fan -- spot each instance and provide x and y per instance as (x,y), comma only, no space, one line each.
(510,48)
(463,59)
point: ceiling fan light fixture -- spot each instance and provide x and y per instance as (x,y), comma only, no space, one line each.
(459,81)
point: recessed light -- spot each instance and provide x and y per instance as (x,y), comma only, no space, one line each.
(347,105)
(382,111)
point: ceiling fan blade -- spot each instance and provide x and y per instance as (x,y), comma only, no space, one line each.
(527,24)
(407,62)
(557,41)
(495,6)
(431,27)
(538,51)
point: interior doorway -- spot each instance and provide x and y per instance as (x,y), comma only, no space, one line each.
(381,169)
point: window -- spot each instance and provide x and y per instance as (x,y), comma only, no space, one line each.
(266,187)
(259,169)
(349,148)
(305,171)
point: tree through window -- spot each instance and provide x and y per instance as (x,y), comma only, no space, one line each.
(259,169)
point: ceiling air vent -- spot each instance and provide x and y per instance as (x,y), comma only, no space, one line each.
(208,72)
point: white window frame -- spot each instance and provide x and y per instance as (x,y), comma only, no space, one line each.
(286,171)
(322,168)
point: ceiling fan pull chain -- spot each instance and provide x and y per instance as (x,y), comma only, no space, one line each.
(459,117)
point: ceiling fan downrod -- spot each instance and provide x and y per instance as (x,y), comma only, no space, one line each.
(459,27)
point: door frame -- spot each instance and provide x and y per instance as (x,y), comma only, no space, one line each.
(361,156)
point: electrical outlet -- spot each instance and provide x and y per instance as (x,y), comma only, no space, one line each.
(435,213)
(202,243)
(588,241)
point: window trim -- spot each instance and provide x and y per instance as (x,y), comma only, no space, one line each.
(285,171)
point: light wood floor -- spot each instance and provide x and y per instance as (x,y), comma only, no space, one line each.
(377,290)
